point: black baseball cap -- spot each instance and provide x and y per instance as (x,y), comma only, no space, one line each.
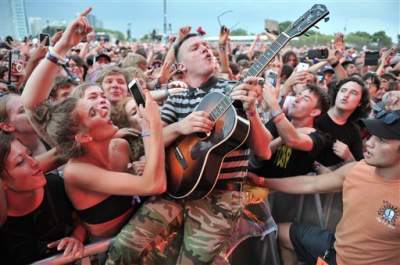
(103,55)
(386,125)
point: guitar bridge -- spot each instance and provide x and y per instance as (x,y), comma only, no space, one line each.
(180,158)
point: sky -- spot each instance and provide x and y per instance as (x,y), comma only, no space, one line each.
(352,15)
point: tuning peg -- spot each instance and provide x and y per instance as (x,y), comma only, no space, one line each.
(326,19)
(316,27)
(307,35)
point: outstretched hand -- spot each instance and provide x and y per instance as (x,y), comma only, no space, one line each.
(75,31)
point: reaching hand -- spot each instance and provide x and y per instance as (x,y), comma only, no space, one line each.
(149,116)
(297,78)
(270,95)
(40,51)
(223,35)
(248,93)
(56,37)
(342,150)
(73,247)
(75,31)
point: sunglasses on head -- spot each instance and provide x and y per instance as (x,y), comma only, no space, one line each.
(388,117)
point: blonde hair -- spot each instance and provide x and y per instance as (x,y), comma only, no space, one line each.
(133,60)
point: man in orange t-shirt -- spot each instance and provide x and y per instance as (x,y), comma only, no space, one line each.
(369,230)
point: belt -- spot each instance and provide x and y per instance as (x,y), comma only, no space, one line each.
(229,185)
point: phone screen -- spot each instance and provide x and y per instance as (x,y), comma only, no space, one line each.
(271,77)
(136,92)
(42,36)
(302,67)
(371,58)
(14,63)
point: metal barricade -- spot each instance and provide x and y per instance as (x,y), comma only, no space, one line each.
(90,250)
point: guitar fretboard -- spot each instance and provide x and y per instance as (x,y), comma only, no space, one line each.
(220,108)
(258,66)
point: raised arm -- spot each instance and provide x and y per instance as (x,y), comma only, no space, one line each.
(290,136)
(39,84)
(223,50)
(259,137)
(153,179)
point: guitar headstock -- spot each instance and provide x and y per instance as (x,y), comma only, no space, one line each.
(306,21)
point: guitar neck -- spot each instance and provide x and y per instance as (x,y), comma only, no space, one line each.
(255,70)
(259,65)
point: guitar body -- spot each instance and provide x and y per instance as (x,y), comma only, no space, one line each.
(194,161)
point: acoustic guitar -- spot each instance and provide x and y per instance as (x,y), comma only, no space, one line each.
(194,161)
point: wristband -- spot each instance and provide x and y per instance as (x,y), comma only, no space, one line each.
(275,113)
(145,134)
(335,64)
(251,113)
(167,94)
(54,57)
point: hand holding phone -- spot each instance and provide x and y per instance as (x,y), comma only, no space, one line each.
(42,36)
(371,58)
(271,77)
(302,67)
(137,92)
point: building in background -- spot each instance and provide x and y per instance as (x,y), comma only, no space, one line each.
(14,21)
(36,25)
(94,21)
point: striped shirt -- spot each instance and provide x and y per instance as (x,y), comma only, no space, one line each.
(180,105)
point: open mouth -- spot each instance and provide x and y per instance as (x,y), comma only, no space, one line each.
(367,154)
(38,173)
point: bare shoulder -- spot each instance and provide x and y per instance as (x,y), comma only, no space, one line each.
(344,170)
(119,144)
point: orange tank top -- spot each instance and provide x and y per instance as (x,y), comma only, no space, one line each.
(369,231)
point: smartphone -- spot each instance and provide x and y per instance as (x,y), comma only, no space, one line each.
(136,92)
(41,38)
(14,63)
(302,67)
(271,77)
(371,58)
(317,53)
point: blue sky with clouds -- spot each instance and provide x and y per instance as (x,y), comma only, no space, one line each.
(355,15)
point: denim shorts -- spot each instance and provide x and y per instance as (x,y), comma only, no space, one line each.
(311,242)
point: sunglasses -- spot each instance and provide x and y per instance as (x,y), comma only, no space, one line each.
(388,117)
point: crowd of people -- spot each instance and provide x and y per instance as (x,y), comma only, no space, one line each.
(81,161)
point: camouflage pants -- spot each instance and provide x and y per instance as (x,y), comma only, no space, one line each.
(169,232)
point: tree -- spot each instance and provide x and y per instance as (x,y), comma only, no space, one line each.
(117,34)
(239,32)
(284,25)
(382,39)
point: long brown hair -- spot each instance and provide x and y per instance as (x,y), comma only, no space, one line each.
(5,146)
(120,119)
(63,123)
